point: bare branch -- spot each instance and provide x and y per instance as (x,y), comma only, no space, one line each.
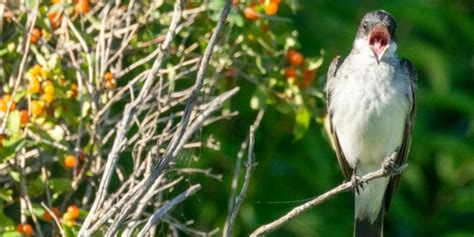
(124,126)
(233,204)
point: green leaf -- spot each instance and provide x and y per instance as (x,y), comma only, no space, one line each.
(60,185)
(6,195)
(302,121)
(13,124)
(6,224)
(15,175)
(38,210)
(35,187)
(12,233)
(56,133)
(11,147)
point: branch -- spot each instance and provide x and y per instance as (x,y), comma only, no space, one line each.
(235,202)
(183,131)
(388,169)
(124,125)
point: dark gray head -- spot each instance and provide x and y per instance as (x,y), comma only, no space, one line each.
(377,28)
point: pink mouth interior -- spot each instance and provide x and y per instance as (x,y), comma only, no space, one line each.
(379,40)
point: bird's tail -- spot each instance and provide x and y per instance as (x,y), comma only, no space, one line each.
(364,228)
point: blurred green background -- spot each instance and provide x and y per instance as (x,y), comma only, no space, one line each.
(436,194)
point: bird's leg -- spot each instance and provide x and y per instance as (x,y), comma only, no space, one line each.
(357,181)
(390,165)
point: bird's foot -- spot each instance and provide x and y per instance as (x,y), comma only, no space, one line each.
(390,165)
(357,182)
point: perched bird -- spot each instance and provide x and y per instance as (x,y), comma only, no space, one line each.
(371,107)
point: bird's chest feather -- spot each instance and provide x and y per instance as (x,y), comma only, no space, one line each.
(369,110)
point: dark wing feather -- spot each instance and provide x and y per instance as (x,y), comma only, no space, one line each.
(402,155)
(346,169)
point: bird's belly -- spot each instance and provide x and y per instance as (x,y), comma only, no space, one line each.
(370,125)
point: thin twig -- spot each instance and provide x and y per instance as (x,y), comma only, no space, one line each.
(56,220)
(228,227)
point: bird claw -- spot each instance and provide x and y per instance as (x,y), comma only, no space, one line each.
(357,183)
(390,165)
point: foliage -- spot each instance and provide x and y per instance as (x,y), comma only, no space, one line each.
(277,53)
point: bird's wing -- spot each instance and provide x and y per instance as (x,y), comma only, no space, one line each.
(346,169)
(409,70)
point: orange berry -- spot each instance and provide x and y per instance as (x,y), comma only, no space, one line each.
(34,85)
(73,211)
(2,137)
(70,161)
(43,73)
(36,108)
(73,91)
(68,216)
(109,76)
(54,19)
(24,117)
(48,88)
(47,215)
(294,57)
(35,35)
(3,105)
(250,13)
(19,228)
(25,229)
(290,72)
(308,75)
(6,102)
(82,6)
(47,98)
(112,84)
(271,8)
(36,70)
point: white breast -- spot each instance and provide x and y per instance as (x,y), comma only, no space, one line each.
(369,112)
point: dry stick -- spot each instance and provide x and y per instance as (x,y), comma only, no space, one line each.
(236,202)
(124,125)
(387,170)
(25,199)
(160,213)
(179,138)
(213,105)
(52,214)
(129,201)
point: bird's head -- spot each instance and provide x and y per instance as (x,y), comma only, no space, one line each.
(376,35)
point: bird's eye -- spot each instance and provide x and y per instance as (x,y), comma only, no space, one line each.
(365,25)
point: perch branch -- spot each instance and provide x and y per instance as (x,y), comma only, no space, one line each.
(388,169)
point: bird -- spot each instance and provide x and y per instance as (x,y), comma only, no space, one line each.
(371,109)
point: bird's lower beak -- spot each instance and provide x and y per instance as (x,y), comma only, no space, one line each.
(379,41)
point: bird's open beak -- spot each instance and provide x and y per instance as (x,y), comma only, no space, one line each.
(379,41)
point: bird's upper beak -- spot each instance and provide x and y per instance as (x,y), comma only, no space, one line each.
(379,41)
